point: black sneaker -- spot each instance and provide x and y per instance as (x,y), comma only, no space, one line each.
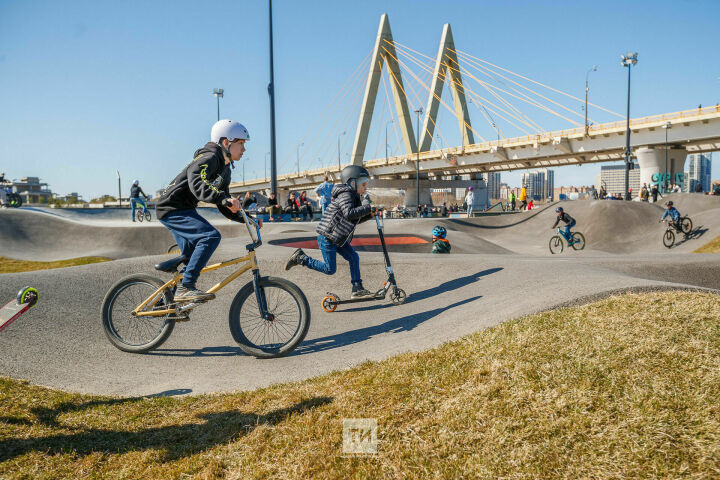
(184,294)
(359,291)
(297,258)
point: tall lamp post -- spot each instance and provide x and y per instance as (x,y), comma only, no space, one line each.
(343,133)
(628,60)
(418,112)
(666,127)
(587,87)
(386,140)
(218,92)
(271,92)
(298,157)
(119,189)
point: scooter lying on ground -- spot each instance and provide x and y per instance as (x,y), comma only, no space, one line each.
(26,299)
(397,295)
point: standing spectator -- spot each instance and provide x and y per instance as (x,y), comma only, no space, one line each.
(324,193)
(305,206)
(273,207)
(3,194)
(513,199)
(698,188)
(444,210)
(292,207)
(654,193)
(644,193)
(602,193)
(469,199)
(523,197)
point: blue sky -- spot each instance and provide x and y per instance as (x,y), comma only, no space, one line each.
(90,87)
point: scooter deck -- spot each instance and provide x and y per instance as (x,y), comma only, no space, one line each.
(11,312)
(368,298)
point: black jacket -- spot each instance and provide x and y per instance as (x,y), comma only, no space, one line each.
(135,192)
(342,215)
(565,218)
(205,179)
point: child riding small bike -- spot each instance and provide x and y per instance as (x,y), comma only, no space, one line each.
(674,214)
(569,223)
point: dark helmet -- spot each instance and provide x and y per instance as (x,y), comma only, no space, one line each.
(558,209)
(352,173)
(439,231)
(669,203)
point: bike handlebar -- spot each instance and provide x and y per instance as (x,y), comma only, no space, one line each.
(256,238)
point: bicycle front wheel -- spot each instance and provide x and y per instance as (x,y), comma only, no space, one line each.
(148,217)
(128,332)
(556,245)
(275,336)
(578,241)
(139,215)
(669,238)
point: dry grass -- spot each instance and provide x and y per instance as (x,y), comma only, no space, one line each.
(712,247)
(627,387)
(9,265)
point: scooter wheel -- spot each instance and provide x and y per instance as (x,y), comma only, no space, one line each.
(28,295)
(329,303)
(398,296)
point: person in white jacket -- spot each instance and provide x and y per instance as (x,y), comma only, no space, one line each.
(469,199)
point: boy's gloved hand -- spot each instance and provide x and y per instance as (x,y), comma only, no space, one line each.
(366,199)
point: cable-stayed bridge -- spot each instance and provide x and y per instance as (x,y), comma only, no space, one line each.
(495,92)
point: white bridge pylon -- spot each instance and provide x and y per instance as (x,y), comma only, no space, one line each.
(384,54)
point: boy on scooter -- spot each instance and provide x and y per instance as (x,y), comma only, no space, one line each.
(349,206)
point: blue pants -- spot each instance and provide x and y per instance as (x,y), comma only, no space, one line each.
(567,234)
(133,205)
(196,238)
(329,253)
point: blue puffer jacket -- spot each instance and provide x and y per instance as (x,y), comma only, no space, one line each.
(343,214)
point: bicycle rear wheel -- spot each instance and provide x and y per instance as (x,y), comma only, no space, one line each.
(556,244)
(669,238)
(686,225)
(275,337)
(148,217)
(578,241)
(127,332)
(139,215)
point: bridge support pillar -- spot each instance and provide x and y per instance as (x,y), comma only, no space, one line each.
(653,168)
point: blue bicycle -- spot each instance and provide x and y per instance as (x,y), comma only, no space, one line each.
(577,241)
(143,214)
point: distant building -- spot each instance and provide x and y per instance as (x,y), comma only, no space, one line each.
(505,191)
(698,171)
(540,183)
(32,190)
(493,184)
(612,177)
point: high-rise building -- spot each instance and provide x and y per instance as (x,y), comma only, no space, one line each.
(493,185)
(612,177)
(549,192)
(540,183)
(698,171)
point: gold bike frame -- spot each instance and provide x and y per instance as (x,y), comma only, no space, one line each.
(250,264)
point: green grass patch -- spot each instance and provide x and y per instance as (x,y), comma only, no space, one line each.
(626,387)
(712,247)
(9,265)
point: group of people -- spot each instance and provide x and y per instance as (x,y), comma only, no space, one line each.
(296,206)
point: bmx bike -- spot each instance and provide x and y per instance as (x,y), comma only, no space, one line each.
(143,214)
(12,199)
(268,317)
(556,242)
(684,225)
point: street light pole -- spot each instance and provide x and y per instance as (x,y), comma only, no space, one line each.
(666,127)
(418,112)
(271,92)
(587,87)
(119,188)
(386,141)
(298,157)
(218,92)
(628,60)
(343,133)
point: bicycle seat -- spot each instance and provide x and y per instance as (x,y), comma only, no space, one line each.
(171,265)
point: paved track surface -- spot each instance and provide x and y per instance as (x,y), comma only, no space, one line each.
(61,343)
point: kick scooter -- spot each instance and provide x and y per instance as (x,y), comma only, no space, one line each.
(397,295)
(26,299)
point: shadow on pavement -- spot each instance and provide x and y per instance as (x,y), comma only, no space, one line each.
(402,324)
(224,351)
(432,291)
(173,442)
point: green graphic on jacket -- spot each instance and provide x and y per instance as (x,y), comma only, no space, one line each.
(440,245)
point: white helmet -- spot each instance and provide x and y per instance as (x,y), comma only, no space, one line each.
(228,129)
(136,182)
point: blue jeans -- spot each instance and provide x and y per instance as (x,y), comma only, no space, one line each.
(196,238)
(329,253)
(133,205)
(566,233)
